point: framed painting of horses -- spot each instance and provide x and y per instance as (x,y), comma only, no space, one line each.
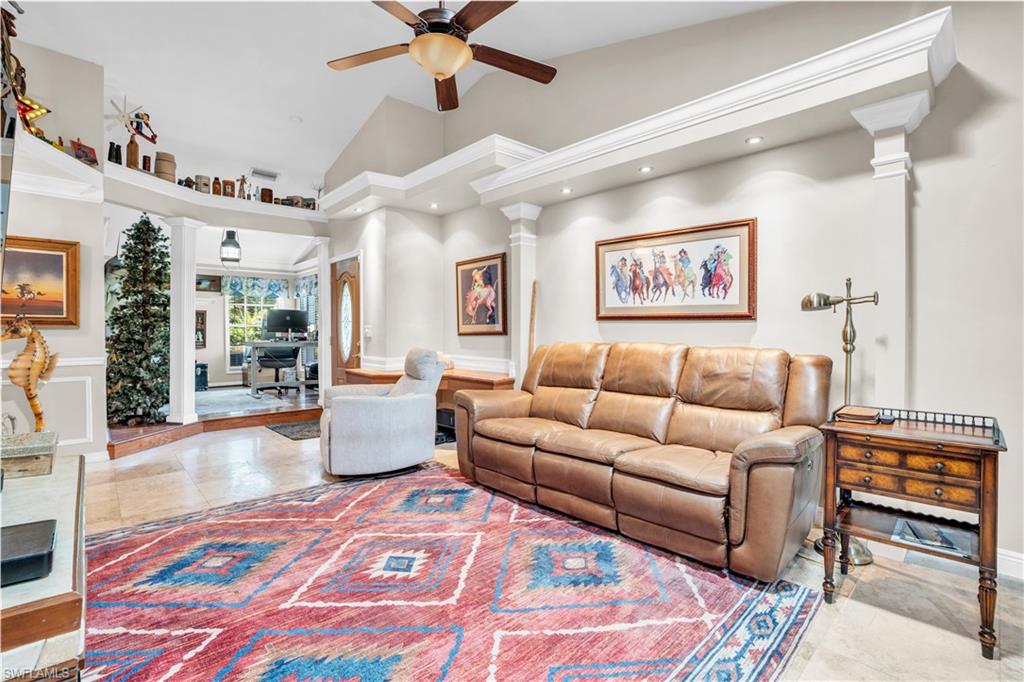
(706,272)
(40,281)
(480,297)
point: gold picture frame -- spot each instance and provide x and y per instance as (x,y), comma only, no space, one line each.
(40,281)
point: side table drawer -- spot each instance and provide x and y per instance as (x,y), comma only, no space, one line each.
(941,493)
(869,455)
(868,480)
(947,466)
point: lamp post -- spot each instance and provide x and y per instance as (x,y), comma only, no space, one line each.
(859,554)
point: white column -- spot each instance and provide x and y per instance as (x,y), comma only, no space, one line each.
(183,319)
(890,122)
(325,329)
(522,270)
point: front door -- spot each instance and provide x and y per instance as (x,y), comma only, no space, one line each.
(346,348)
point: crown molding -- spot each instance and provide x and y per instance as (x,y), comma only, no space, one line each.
(924,47)
(379,190)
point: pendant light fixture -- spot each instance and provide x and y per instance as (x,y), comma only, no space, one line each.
(230,249)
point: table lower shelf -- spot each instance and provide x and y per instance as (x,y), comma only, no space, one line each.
(878,522)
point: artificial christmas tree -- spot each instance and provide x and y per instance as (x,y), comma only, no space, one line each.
(138,361)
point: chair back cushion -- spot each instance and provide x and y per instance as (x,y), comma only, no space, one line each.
(423,370)
(727,395)
(637,392)
(564,379)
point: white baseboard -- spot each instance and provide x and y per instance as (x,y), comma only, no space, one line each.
(222,384)
(1010,563)
(99,456)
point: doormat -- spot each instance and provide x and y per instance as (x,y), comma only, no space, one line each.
(298,430)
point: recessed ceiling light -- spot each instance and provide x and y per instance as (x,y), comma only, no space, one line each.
(646,169)
(433,205)
(295,120)
(567,190)
(756,139)
(359,210)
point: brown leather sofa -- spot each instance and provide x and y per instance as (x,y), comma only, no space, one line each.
(708,452)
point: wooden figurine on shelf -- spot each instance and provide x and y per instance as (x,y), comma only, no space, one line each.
(133,153)
(32,365)
(216,185)
(241,187)
(190,183)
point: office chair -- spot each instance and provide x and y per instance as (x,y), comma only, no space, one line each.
(276,359)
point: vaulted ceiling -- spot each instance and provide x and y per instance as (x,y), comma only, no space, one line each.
(245,83)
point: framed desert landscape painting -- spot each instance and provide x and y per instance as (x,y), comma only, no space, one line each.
(40,281)
(480,297)
(705,272)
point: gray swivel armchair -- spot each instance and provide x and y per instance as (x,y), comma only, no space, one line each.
(371,429)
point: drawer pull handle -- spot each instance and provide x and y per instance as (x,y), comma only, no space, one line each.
(939,446)
(867,479)
(939,466)
(868,455)
(938,492)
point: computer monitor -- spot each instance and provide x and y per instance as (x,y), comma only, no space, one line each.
(283,321)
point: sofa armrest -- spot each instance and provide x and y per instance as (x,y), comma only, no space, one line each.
(472,406)
(490,404)
(792,445)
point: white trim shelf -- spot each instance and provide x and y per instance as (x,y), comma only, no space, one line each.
(44,170)
(151,183)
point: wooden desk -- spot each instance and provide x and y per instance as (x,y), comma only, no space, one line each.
(453,380)
(43,620)
(944,465)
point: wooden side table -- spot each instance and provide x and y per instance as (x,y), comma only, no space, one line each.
(943,460)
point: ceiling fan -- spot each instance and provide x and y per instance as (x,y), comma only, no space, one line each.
(440,46)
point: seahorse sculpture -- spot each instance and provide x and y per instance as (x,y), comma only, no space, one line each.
(32,365)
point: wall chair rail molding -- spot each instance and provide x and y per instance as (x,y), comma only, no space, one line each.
(804,100)
(444,182)
(64,362)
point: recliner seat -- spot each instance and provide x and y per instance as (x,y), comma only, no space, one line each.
(708,452)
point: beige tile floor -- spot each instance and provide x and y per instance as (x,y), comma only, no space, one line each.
(909,619)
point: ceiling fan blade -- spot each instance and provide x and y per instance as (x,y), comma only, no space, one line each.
(401,12)
(447,94)
(521,66)
(367,57)
(478,12)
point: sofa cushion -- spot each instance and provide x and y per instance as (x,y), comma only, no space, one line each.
(713,428)
(566,365)
(581,478)
(519,430)
(568,405)
(637,390)
(593,444)
(511,460)
(680,465)
(681,509)
(735,378)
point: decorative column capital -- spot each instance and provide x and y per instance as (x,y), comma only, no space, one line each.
(322,241)
(522,239)
(905,111)
(183,221)
(521,211)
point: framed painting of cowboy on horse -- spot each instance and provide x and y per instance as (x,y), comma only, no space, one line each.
(40,281)
(706,272)
(480,296)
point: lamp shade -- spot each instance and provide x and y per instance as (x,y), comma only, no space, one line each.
(440,54)
(819,301)
(230,249)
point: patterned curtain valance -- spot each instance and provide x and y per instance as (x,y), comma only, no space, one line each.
(256,286)
(306,286)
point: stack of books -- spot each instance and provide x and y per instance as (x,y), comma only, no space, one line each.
(858,415)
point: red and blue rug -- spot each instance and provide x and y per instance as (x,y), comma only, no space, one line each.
(422,577)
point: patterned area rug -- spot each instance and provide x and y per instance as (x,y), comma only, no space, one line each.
(422,577)
(298,430)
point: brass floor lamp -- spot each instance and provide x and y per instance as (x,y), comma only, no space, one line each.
(859,552)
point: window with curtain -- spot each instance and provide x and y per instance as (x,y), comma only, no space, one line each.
(248,300)
(307,293)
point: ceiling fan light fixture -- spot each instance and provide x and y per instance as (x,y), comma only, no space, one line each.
(441,55)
